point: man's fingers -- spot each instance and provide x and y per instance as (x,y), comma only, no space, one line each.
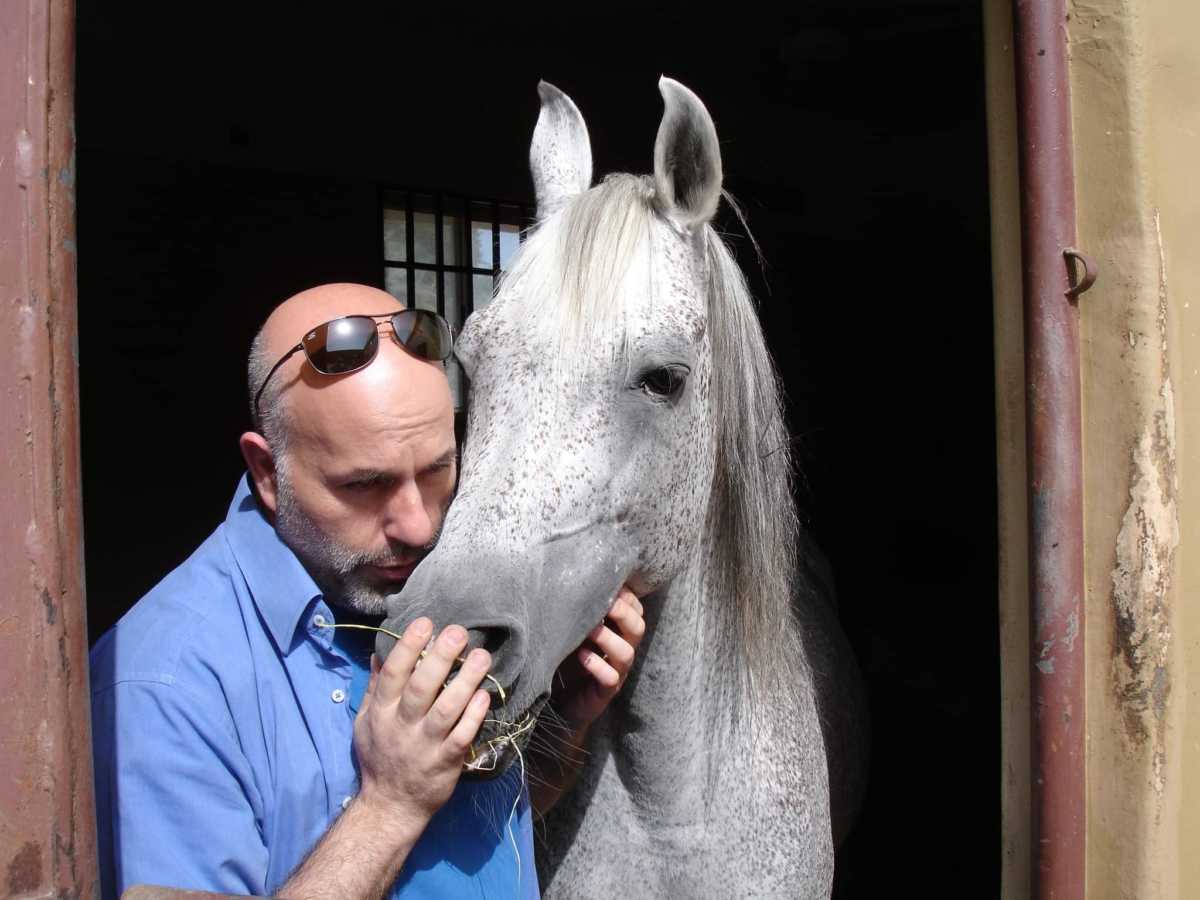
(427,680)
(459,740)
(452,702)
(615,648)
(605,675)
(631,598)
(396,669)
(628,621)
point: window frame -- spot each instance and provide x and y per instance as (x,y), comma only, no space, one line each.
(440,200)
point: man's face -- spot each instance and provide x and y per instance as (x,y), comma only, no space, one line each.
(365,482)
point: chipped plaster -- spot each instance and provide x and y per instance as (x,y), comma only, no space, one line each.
(1142,581)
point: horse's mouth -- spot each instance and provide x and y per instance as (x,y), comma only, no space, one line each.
(500,741)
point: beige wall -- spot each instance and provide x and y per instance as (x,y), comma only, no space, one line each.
(1173,154)
(1135,93)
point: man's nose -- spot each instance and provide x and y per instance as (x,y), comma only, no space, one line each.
(406,519)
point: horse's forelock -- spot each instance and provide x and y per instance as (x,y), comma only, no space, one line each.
(572,269)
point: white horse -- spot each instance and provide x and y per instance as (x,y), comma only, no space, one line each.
(625,425)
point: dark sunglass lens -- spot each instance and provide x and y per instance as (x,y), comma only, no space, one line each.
(423,333)
(342,345)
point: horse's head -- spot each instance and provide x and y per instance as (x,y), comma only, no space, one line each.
(590,452)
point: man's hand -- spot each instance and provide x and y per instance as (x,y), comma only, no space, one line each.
(411,738)
(589,679)
(583,687)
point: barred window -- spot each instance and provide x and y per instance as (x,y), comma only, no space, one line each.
(444,252)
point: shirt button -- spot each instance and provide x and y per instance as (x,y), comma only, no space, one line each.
(338,695)
(345,802)
(318,621)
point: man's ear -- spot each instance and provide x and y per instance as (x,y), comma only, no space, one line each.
(260,462)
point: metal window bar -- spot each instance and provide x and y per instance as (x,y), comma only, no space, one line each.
(464,223)
(439,255)
(433,267)
(381,201)
(495,244)
(410,250)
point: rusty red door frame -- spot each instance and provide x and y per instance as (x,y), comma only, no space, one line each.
(1055,455)
(47,834)
(48,829)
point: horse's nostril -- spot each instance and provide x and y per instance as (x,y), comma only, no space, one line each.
(497,641)
(491,639)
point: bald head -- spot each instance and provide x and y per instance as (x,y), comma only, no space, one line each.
(356,468)
(284,328)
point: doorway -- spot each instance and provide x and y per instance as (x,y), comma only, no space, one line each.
(231,156)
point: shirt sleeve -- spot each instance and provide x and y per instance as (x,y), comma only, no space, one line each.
(176,800)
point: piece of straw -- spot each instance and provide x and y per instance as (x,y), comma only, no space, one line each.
(421,655)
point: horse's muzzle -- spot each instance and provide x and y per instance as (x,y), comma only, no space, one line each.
(529,607)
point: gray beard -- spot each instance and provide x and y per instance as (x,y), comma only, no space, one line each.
(337,569)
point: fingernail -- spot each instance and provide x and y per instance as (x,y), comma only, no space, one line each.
(479,657)
(422,627)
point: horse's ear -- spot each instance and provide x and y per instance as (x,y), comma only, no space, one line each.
(560,156)
(687,159)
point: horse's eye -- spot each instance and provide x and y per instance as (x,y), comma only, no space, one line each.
(663,382)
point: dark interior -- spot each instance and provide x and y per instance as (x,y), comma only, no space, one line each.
(229,156)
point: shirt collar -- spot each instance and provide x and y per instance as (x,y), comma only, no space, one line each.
(281,587)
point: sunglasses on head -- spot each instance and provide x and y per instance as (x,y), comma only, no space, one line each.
(350,343)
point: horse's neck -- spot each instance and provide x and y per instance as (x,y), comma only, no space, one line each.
(660,726)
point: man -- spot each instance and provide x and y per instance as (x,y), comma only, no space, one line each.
(233,750)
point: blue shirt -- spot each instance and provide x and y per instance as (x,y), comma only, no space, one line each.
(222,717)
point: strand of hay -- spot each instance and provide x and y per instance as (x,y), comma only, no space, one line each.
(460,660)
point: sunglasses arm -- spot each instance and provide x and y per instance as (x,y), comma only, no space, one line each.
(267,380)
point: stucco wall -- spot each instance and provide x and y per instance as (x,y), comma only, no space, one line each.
(1136,109)
(1172,151)
(1135,93)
